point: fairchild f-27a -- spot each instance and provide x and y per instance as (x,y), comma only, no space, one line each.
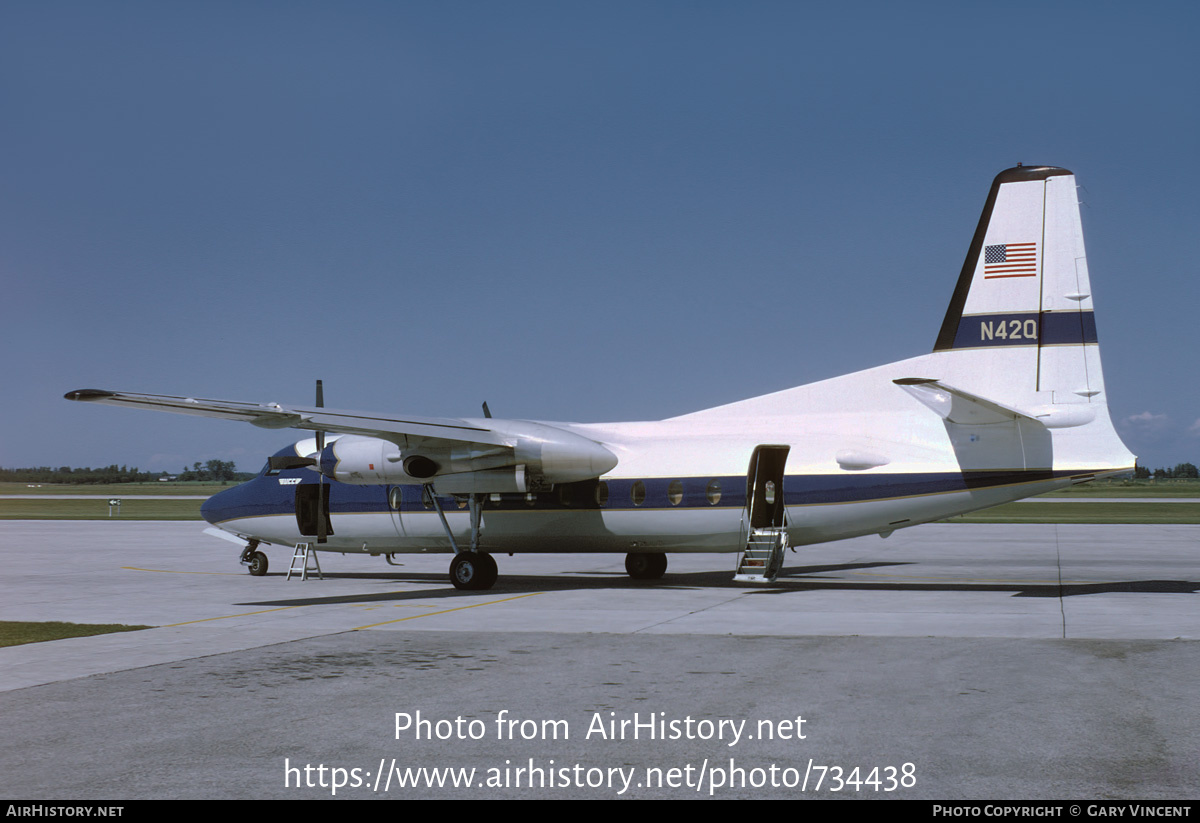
(1010,403)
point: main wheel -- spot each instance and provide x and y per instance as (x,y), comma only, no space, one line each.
(473,571)
(489,567)
(646,565)
(258,564)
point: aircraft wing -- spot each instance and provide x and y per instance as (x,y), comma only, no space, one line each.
(275,416)
(448,446)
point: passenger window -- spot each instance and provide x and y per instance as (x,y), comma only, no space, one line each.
(713,492)
(675,493)
(601,493)
(637,493)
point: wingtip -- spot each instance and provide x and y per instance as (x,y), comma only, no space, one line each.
(88,394)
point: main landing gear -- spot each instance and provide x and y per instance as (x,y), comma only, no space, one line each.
(646,565)
(470,570)
(473,571)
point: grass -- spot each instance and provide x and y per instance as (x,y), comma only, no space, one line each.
(115,489)
(1132,488)
(84,509)
(1082,512)
(15,633)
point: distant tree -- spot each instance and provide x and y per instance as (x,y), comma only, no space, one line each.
(220,470)
(1186,470)
(1141,473)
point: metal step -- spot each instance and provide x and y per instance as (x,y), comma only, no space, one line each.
(762,559)
(304,560)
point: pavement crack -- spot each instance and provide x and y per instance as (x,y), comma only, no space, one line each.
(710,606)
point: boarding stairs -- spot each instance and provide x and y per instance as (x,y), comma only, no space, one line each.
(304,560)
(762,559)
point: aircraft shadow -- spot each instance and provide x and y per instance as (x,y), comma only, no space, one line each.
(792,580)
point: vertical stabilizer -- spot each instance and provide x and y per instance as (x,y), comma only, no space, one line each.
(1024,289)
(1021,331)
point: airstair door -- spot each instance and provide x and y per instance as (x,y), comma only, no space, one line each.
(764,487)
(312,502)
(765,533)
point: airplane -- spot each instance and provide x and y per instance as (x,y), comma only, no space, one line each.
(1010,403)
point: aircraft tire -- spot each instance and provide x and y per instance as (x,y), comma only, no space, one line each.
(473,571)
(258,564)
(492,571)
(646,565)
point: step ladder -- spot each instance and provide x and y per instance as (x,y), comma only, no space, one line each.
(762,559)
(304,560)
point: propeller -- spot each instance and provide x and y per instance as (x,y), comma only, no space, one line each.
(323,492)
(288,462)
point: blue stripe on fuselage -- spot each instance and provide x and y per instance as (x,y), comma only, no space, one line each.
(267,496)
(1063,328)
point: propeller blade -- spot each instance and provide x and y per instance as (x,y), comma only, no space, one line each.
(323,493)
(323,512)
(320,405)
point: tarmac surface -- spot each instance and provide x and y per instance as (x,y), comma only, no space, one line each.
(947,661)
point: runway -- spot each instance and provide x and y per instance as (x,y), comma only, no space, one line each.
(1031,661)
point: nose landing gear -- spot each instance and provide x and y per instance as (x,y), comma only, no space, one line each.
(256,560)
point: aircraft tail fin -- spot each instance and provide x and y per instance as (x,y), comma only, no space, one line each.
(1020,332)
(1024,286)
(1017,348)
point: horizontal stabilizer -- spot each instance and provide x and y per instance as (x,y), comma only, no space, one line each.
(956,405)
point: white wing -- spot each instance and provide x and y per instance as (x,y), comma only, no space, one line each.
(450,446)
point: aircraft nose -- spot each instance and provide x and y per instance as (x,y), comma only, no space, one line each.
(228,504)
(213,509)
(256,498)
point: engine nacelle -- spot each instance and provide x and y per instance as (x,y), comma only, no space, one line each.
(539,457)
(364,461)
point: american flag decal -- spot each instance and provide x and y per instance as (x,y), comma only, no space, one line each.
(1010,260)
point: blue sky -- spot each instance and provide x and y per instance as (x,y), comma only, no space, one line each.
(575,211)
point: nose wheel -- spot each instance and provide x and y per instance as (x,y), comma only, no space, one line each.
(473,571)
(256,560)
(258,564)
